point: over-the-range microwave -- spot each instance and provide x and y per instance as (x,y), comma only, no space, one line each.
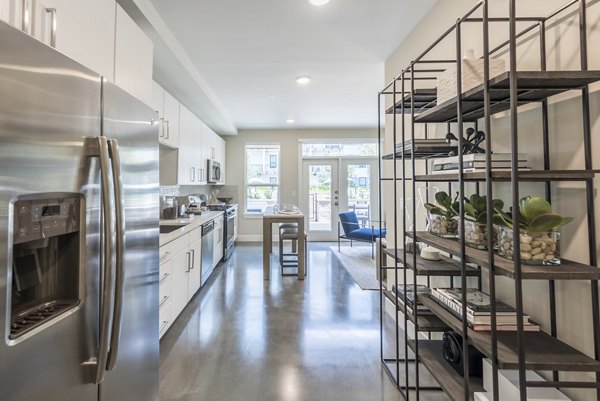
(214,171)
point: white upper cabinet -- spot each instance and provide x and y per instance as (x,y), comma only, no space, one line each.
(133,58)
(34,17)
(85,31)
(11,12)
(187,171)
(171,123)
(168,112)
(221,158)
(96,33)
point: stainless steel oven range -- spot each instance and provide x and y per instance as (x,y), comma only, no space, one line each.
(229,226)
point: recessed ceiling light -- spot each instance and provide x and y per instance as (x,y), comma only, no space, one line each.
(318,2)
(303,79)
(290,121)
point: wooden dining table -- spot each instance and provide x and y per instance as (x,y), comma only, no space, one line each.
(270,217)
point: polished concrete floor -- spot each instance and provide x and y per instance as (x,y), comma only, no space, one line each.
(244,339)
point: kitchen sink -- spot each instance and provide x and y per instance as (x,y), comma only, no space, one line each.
(165,229)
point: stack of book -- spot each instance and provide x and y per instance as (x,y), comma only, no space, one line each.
(475,162)
(426,147)
(479,310)
(408,297)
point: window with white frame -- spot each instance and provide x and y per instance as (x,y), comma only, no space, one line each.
(262,177)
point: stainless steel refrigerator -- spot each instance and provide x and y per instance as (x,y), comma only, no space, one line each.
(78,232)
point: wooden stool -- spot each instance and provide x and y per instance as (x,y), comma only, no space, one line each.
(290,260)
(288,226)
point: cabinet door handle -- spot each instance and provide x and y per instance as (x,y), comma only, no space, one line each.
(164,277)
(161,131)
(192,174)
(189,262)
(163,300)
(53,25)
(193,258)
(26,16)
(163,325)
(168,129)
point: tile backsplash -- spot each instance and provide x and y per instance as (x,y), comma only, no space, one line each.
(181,192)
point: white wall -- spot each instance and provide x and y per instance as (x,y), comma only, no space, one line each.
(573,297)
(251,227)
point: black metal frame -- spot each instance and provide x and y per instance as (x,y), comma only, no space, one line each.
(406,79)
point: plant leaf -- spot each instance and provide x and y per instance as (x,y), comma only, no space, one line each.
(443,199)
(469,209)
(565,220)
(497,204)
(544,222)
(535,207)
(522,202)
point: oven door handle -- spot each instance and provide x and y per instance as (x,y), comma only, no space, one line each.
(115,337)
(108,239)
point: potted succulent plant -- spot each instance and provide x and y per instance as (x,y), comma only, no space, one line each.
(539,238)
(476,220)
(441,218)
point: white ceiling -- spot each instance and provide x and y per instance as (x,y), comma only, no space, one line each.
(245,51)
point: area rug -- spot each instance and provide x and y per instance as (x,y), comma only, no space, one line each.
(358,263)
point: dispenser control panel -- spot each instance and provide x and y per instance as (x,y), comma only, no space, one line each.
(37,218)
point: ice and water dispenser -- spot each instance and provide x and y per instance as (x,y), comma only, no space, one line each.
(48,257)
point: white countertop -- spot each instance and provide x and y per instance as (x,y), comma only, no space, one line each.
(191,223)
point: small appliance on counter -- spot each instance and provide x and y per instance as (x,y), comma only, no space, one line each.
(197,204)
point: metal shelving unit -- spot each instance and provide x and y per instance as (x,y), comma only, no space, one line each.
(505,93)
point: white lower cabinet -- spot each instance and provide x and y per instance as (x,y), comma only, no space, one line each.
(180,274)
(164,298)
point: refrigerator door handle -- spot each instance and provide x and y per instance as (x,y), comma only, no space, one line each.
(115,337)
(107,252)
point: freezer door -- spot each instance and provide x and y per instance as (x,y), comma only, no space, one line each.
(48,105)
(133,125)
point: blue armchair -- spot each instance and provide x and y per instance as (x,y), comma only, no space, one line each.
(353,231)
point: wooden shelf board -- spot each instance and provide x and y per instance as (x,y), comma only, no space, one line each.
(424,98)
(430,355)
(505,175)
(427,323)
(533,86)
(542,351)
(444,267)
(567,270)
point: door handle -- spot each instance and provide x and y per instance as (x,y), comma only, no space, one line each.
(168,129)
(193,257)
(53,25)
(26,16)
(192,174)
(107,261)
(115,337)
(163,300)
(188,262)
(161,131)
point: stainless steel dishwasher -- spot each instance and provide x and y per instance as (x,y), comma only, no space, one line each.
(207,250)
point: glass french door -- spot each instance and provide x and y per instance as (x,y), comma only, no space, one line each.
(358,190)
(320,196)
(332,186)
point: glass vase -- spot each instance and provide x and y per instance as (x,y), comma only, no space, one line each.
(442,226)
(476,235)
(536,248)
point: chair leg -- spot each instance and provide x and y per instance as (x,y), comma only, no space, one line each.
(294,246)
(281,253)
(350,243)
(372,250)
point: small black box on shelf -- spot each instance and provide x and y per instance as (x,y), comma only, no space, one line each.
(452,350)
